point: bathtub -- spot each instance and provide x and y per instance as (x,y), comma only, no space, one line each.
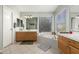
(46,40)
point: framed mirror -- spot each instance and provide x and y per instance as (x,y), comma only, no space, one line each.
(31,23)
(75,24)
(20,23)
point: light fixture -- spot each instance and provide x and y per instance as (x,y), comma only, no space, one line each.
(28,16)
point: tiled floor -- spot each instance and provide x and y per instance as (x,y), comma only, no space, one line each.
(27,49)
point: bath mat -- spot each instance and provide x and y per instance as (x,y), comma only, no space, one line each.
(1,53)
(26,43)
(44,48)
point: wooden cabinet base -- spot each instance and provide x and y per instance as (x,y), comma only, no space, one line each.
(68,46)
(26,36)
(63,46)
(74,50)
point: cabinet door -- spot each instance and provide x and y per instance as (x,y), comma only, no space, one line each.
(31,36)
(20,36)
(74,43)
(63,45)
(74,50)
(26,36)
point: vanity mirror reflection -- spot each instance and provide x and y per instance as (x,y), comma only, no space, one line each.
(31,23)
(20,23)
(75,24)
(27,23)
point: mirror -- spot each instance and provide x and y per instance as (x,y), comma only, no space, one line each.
(75,24)
(31,23)
(20,23)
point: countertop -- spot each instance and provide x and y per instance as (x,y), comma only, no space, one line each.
(73,36)
(26,30)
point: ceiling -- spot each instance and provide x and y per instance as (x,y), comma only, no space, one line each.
(74,8)
(41,8)
(34,8)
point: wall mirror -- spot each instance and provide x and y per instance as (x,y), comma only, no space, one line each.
(31,23)
(75,24)
(20,23)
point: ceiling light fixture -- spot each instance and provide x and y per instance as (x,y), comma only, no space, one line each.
(28,16)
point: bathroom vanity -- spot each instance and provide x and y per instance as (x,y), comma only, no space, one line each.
(68,43)
(26,36)
(26,29)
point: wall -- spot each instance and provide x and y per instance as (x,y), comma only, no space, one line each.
(6,26)
(9,17)
(68,21)
(75,24)
(74,14)
(1,30)
(39,14)
(16,15)
(53,24)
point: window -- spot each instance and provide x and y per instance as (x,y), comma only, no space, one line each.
(45,24)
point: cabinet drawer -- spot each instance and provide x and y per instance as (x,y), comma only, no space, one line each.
(74,50)
(74,43)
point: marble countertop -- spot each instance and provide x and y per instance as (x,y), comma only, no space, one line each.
(73,36)
(26,30)
(18,29)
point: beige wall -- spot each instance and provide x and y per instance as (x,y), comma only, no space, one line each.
(39,14)
(1,30)
(3,41)
(14,15)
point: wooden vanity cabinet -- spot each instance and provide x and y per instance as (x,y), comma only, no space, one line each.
(74,44)
(63,45)
(74,47)
(74,50)
(68,46)
(26,36)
